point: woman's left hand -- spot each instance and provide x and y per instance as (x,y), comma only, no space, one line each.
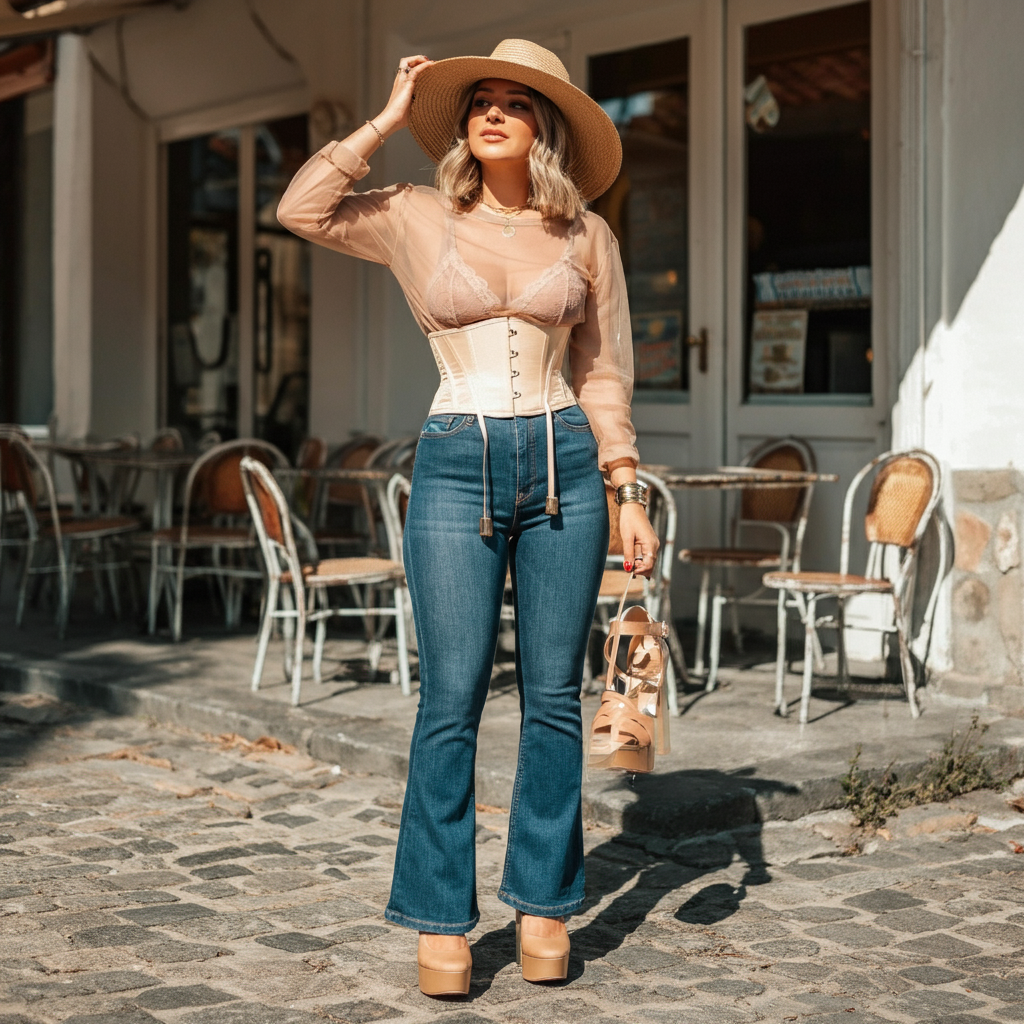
(638,537)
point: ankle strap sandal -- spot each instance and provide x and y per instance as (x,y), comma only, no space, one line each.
(631,725)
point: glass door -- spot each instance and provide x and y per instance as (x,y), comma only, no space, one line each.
(656,74)
(645,90)
(281,293)
(237,358)
(804,324)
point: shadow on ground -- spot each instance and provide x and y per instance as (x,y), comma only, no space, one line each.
(631,874)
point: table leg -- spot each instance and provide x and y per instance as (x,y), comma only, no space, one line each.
(674,644)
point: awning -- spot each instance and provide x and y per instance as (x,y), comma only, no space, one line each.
(37,17)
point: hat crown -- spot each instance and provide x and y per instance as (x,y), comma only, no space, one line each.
(530,55)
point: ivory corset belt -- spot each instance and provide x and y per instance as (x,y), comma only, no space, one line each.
(503,367)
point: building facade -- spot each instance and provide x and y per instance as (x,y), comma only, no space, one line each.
(820,215)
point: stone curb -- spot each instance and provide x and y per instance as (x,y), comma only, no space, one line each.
(674,804)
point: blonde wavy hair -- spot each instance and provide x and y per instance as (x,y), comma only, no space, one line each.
(552,191)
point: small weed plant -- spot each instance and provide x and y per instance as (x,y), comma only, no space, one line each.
(959,768)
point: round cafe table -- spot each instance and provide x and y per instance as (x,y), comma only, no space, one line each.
(723,478)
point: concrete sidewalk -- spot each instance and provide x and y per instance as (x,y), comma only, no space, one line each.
(733,762)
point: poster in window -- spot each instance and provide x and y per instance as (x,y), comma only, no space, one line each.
(658,349)
(778,341)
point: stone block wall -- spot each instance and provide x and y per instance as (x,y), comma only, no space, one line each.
(988,583)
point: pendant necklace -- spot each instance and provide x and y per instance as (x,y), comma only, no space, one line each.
(508,212)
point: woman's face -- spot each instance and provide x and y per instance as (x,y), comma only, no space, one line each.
(501,124)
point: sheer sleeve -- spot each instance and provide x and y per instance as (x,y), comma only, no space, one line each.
(320,205)
(601,349)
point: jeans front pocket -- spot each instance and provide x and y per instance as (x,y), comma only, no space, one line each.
(446,426)
(573,418)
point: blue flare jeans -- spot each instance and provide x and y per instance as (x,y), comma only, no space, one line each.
(457,581)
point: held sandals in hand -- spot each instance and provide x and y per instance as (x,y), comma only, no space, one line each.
(631,724)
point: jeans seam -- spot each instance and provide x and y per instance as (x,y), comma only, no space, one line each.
(513,816)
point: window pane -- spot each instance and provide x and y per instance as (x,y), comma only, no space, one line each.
(807,84)
(646,93)
(202,284)
(281,345)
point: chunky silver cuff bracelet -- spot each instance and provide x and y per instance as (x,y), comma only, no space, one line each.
(632,492)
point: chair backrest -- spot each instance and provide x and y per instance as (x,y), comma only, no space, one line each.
(395,510)
(351,455)
(269,509)
(903,496)
(397,453)
(777,505)
(167,440)
(22,472)
(312,454)
(15,472)
(214,484)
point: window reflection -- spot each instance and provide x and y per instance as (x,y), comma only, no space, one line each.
(807,94)
(202,292)
(645,91)
(281,343)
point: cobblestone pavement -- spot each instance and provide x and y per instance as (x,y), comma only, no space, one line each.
(148,874)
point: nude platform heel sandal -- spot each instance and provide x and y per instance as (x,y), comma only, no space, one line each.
(631,724)
(443,972)
(542,958)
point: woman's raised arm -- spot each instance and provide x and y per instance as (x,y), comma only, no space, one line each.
(319,203)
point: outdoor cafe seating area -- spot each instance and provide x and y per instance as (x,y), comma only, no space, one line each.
(158,530)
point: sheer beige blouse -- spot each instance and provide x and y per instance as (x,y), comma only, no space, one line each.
(458,268)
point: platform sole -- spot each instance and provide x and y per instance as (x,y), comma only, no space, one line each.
(548,969)
(444,983)
(627,759)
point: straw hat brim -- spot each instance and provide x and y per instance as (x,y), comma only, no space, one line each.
(440,88)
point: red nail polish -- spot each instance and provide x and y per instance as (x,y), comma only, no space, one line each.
(628,566)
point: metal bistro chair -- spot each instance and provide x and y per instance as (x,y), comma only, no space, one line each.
(654,593)
(312,455)
(27,526)
(339,503)
(308,583)
(761,510)
(903,497)
(214,504)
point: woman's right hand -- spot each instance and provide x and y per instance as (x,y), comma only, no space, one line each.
(395,115)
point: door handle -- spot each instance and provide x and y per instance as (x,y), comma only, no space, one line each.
(700,342)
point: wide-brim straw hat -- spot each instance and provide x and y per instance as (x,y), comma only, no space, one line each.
(440,89)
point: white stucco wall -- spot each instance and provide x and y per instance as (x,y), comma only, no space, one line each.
(959,390)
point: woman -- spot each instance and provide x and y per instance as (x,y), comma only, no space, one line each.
(503,269)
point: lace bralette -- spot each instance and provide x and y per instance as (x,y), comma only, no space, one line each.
(457,295)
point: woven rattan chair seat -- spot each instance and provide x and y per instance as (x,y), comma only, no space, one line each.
(202,536)
(756,559)
(333,571)
(826,583)
(614,582)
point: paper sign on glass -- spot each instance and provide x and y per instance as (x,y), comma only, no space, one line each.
(778,341)
(658,349)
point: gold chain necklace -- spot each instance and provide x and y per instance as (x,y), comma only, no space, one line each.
(508,212)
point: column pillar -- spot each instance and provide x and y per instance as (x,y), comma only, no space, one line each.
(72,237)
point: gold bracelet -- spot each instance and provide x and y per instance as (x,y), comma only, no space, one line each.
(377,130)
